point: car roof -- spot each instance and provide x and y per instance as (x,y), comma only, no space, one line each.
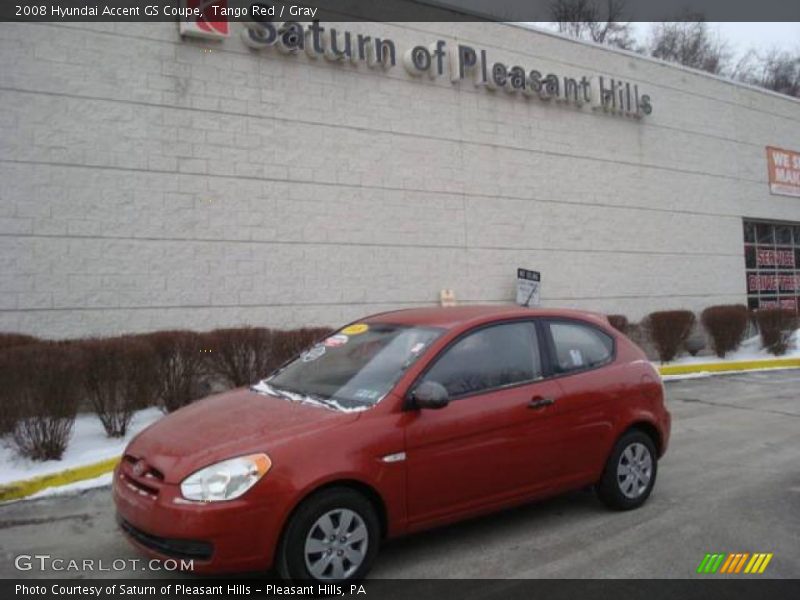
(474,314)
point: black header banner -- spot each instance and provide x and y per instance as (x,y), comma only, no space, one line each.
(387,10)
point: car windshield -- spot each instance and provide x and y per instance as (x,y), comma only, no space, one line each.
(353,368)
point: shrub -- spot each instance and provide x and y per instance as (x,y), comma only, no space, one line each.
(42,381)
(240,356)
(178,367)
(244,355)
(289,344)
(9,403)
(669,330)
(119,377)
(12,340)
(776,326)
(726,325)
(619,322)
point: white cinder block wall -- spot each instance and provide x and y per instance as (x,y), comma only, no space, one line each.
(151,182)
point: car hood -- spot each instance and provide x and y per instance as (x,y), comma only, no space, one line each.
(231,424)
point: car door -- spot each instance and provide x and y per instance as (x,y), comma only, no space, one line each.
(582,359)
(493,441)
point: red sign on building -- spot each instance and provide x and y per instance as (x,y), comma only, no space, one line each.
(209,23)
(783,168)
(774,258)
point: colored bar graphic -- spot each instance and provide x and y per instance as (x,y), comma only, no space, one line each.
(765,563)
(734,563)
(729,562)
(701,568)
(717,563)
(754,563)
(742,561)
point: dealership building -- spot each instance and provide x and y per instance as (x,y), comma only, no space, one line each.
(165,175)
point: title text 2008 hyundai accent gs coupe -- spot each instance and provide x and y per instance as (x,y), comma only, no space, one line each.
(399,422)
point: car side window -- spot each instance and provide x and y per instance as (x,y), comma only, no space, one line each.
(489,358)
(579,347)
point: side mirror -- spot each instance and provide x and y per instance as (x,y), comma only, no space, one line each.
(430,394)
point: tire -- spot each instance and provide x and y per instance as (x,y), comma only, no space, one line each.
(622,486)
(314,522)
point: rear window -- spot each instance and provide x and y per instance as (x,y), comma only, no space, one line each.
(579,347)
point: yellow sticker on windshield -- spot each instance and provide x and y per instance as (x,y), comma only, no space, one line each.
(355,329)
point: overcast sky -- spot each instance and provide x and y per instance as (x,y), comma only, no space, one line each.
(741,36)
(761,36)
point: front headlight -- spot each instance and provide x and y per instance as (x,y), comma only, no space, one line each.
(225,480)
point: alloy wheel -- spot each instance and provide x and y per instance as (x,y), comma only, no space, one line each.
(634,470)
(336,545)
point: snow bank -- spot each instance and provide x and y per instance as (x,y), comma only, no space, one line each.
(749,349)
(87,445)
(73,488)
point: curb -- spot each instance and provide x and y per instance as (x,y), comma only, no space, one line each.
(730,367)
(16,490)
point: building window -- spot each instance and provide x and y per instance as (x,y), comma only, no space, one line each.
(772,263)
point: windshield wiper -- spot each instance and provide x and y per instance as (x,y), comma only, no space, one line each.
(294,395)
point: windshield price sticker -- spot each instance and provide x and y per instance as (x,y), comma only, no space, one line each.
(356,329)
(335,341)
(314,353)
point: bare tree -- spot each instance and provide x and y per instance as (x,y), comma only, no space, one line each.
(774,70)
(598,21)
(688,42)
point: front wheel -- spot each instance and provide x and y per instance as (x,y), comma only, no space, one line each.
(332,537)
(630,473)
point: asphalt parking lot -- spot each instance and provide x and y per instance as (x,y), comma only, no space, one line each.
(729,483)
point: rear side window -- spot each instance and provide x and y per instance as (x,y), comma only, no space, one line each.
(579,347)
(489,358)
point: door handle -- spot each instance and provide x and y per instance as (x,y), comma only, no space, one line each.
(539,402)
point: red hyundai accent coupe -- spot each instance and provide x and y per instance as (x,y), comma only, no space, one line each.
(402,421)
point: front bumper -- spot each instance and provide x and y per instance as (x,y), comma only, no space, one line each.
(234,536)
(173,548)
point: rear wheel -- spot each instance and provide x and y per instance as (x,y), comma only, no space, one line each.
(630,472)
(332,537)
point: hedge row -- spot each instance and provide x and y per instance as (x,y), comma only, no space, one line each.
(726,325)
(42,383)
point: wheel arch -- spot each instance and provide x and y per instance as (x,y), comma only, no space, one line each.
(651,431)
(363,488)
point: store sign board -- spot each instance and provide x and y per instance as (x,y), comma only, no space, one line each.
(454,61)
(446,59)
(783,168)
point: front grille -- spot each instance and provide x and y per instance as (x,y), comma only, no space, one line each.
(150,472)
(138,486)
(140,476)
(174,548)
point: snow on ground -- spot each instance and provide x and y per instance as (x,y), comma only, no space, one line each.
(73,488)
(87,445)
(749,349)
